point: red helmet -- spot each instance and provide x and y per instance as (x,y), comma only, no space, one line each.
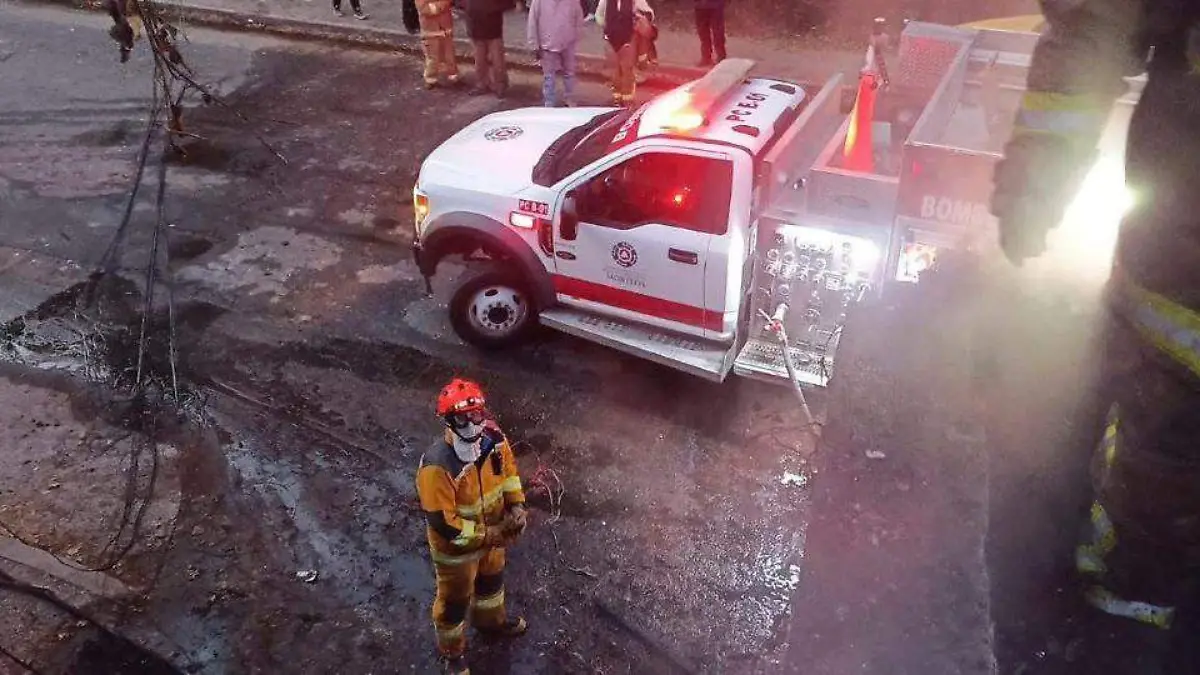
(459,396)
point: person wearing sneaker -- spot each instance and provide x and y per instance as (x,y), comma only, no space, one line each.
(437,41)
(470,491)
(710,26)
(355,5)
(553,32)
(485,25)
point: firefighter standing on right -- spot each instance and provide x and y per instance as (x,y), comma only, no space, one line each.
(437,40)
(1145,517)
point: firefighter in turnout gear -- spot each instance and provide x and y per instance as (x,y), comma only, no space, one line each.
(474,506)
(437,41)
(1145,517)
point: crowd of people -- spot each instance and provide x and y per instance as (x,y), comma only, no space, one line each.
(553,31)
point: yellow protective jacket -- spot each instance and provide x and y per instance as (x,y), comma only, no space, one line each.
(1074,78)
(461,499)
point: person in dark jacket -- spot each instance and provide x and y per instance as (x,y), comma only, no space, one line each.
(618,19)
(1145,516)
(710,25)
(485,25)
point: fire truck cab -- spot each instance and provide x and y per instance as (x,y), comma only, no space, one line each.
(673,231)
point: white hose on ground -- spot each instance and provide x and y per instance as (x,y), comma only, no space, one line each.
(775,325)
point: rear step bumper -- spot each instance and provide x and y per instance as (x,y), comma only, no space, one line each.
(709,360)
(762,359)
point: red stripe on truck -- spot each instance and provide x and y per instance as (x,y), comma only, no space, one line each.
(642,304)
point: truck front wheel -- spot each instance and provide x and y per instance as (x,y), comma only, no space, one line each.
(492,309)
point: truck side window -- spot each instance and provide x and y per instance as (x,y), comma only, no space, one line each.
(678,190)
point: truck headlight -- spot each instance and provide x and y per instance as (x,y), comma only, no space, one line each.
(420,211)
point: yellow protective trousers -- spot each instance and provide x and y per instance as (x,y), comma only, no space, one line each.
(624,73)
(470,586)
(437,41)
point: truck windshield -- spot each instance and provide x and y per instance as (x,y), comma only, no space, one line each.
(579,147)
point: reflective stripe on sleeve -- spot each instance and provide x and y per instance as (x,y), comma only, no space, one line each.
(468,510)
(1171,327)
(1060,114)
(492,498)
(512,484)
(467,536)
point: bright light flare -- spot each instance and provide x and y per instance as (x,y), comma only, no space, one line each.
(1084,243)
(674,111)
(522,220)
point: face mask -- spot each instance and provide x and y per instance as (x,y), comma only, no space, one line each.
(469,432)
(466,451)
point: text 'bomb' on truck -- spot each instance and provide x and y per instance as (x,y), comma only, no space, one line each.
(676,230)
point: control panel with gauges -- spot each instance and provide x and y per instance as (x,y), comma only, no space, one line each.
(808,278)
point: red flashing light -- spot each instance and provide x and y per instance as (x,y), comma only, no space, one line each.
(678,198)
(685,120)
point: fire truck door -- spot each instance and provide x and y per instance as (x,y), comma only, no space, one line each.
(637,242)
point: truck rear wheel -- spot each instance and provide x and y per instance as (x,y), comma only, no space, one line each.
(492,309)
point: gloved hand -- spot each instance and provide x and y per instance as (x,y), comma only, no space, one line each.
(517,520)
(494,536)
(1023,228)
(1035,182)
(490,439)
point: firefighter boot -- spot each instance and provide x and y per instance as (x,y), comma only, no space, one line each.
(509,629)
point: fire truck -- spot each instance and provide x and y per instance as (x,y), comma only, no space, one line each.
(686,231)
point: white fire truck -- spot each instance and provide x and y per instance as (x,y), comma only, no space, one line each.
(678,230)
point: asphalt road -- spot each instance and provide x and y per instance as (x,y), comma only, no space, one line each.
(307,343)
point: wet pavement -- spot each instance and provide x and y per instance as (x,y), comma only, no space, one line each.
(662,536)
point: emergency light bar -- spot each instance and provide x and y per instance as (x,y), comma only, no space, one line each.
(716,84)
(687,108)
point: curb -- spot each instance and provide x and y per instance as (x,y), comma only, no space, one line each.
(591,66)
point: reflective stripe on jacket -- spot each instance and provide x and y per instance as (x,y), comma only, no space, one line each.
(461,499)
(1169,326)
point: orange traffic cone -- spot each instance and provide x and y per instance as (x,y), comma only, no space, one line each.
(858,153)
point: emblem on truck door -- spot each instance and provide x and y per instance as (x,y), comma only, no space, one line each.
(503,133)
(624,254)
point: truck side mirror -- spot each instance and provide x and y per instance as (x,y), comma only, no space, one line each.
(568,223)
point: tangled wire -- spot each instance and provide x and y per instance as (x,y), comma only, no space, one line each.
(173,81)
(546,480)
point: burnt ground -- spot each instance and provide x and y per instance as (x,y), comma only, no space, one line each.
(663,539)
